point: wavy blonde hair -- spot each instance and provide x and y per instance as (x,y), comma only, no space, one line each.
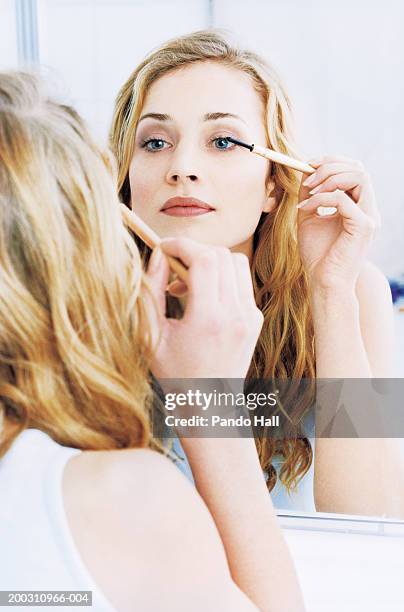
(74,347)
(285,348)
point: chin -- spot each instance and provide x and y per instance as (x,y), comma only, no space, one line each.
(184,230)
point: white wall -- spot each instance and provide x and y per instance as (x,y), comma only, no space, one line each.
(95,44)
(8,35)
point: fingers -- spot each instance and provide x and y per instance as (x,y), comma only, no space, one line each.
(228,284)
(349,175)
(203,273)
(327,159)
(184,248)
(216,276)
(244,280)
(354,219)
(326,171)
(157,275)
(344,181)
(240,300)
(157,278)
(238,291)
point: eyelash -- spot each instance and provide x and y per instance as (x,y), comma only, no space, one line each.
(211,141)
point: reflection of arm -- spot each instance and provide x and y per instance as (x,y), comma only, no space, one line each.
(229,478)
(353,335)
(145,535)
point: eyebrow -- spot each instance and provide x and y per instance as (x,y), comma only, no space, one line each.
(215,116)
(206,117)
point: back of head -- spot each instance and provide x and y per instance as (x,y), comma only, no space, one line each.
(73,360)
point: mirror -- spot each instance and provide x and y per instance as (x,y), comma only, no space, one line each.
(346,87)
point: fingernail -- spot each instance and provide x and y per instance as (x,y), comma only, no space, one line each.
(170,286)
(315,190)
(155,260)
(302,203)
(326,211)
(177,288)
(309,181)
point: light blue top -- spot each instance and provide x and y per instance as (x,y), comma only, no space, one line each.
(300,501)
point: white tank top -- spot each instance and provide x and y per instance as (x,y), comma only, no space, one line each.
(37,550)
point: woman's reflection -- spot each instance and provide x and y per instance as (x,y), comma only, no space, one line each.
(327,309)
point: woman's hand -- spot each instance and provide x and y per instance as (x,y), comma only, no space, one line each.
(333,247)
(217,335)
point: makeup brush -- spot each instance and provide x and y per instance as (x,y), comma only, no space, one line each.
(152,240)
(280,158)
(274,156)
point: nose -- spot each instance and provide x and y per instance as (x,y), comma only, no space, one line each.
(182,168)
(176,178)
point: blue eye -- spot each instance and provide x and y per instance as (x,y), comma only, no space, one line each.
(154,144)
(222,143)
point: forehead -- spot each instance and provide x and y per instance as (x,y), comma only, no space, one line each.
(204,87)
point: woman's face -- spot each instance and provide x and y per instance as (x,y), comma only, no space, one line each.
(185,180)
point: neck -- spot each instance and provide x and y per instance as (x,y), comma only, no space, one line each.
(246,248)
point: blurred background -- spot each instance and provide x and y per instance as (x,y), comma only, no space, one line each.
(342,63)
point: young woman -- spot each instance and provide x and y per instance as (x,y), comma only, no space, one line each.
(86,502)
(327,311)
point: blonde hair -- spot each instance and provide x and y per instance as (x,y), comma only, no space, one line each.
(285,348)
(74,347)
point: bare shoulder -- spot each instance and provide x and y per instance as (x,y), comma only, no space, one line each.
(140,483)
(143,531)
(376,318)
(119,469)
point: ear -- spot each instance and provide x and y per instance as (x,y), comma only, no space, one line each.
(270,201)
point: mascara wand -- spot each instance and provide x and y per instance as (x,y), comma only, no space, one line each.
(274,156)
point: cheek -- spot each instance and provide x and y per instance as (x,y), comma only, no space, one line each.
(245,184)
(258,175)
(143,183)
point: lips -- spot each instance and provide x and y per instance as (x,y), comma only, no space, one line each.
(185,207)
